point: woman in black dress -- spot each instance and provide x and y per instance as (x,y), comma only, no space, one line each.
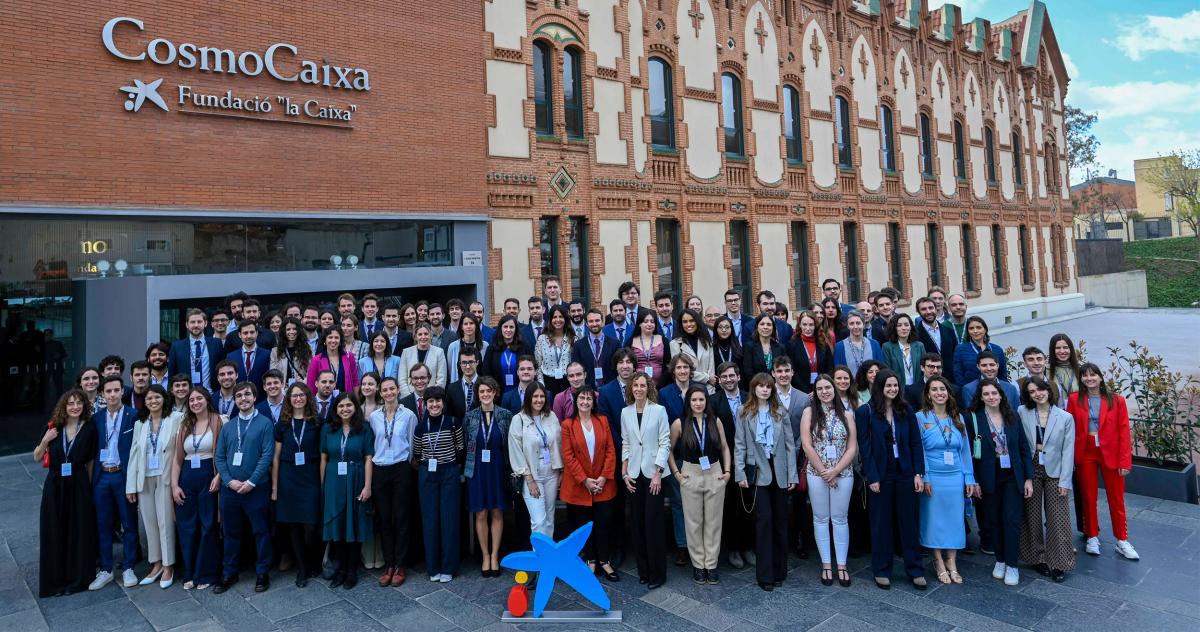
(296,478)
(67,542)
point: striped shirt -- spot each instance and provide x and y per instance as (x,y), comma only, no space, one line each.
(445,444)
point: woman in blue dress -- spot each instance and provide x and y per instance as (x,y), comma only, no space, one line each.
(295,478)
(487,471)
(347,445)
(967,352)
(949,478)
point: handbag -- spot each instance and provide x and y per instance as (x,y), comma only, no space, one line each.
(801,465)
(46,454)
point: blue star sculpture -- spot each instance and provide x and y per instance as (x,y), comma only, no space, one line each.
(553,561)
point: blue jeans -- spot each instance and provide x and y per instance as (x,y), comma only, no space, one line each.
(440,494)
(109,496)
(235,508)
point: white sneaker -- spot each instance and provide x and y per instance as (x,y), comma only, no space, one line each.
(435,579)
(103,578)
(445,578)
(998,570)
(129,578)
(1093,546)
(1011,576)
(1126,549)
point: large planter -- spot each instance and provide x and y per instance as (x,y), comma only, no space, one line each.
(1169,481)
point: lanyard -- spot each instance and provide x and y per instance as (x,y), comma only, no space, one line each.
(725,356)
(299,438)
(154,435)
(857,351)
(196,438)
(508,361)
(111,429)
(239,429)
(437,437)
(389,425)
(342,447)
(945,430)
(1041,435)
(225,406)
(538,426)
(701,433)
(999,439)
(67,446)
(486,430)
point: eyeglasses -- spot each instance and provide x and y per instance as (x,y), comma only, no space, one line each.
(467,362)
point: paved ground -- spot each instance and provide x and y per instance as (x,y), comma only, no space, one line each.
(1162,592)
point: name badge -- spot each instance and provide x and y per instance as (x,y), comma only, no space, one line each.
(1005,461)
(196,379)
(895,451)
(976,449)
(237,459)
(649,371)
(432,465)
(831,452)
(66,469)
(558,374)
(195,461)
(705,463)
(104,454)
(508,379)
(153,462)
(598,373)
(948,457)
(546,455)
(1041,458)
(485,456)
(299,458)
(343,468)
(1097,438)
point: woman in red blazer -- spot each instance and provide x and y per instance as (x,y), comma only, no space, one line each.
(588,487)
(1102,443)
(331,357)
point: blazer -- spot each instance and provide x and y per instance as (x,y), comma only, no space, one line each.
(965,354)
(525,448)
(349,368)
(391,367)
(968,394)
(259,365)
(435,359)
(632,315)
(702,359)
(1116,444)
(647,446)
(753,362)
(365,332)
(945,343)
(1020,455)
(802,378)
(579,466)
(611,401)
(783,331)
(661,330)
(456,400)
(671,398)
(513,400)
(610,330)
(874,449)
(799,401)
(264,407)
(841,352)
(1058,442)
(402,340)
(584,354)
(125,440)
(894,359)
(739,330)
(529,334)
(179,359)
(877,329)
(747,451)
(492,360)
(452,352)
(724,412)
(168,432)
(233,342)
(471,423)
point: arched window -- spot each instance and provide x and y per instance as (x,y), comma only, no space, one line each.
(662,105)
(841,121)
(543,101)
(731,104)
(792,130)
(572,93)
(1017,160)
(886,138)
(926,147)
(960,152)
(989,154)
(1051,168)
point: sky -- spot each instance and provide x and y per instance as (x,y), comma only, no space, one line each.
(1136,64)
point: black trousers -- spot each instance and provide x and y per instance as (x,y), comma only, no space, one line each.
(860,523)
(391,487)
(771,530)
(619,535)
(597,548)
(1004,509)
(737,530)
(648,544)
(895,504)
(802,521)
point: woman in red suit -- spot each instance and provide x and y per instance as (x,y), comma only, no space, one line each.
(1102,443)
(589,467)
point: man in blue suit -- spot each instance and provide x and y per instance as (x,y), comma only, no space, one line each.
(115,426)
(252,361)
(370,324)
(742,322)
(272,405)
(595,351)
(664,311)
(537,323)
(832,288)
(933,333)
(196,354)
(476,309)
(619,327)
(514,400)
(766,305)
(251,311)
(989,367)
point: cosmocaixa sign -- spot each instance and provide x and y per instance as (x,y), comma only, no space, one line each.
(281,61)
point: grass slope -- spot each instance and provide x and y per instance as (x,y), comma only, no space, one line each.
(1170,282)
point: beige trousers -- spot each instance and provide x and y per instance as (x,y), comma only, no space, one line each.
(158,520)
(703,495)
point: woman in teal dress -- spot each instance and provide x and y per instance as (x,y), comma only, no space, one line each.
(347,445)
(949,478)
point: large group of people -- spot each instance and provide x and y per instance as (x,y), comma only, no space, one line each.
(323,439)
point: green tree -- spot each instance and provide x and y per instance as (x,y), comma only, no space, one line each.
(1082,144)
(1177,176)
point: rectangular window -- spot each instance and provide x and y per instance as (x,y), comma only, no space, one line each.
(793,136)
(887,139)
(998,256)
(989,149)
(850,246)
(740,258)
(926,147)
(1023,251)
(543,107)
(934,237)
(896,256)
(841,131)
(666,240)
(801,274)
(960,152)
(548,246)
(1018,172)
(968,252)
(731,105)
(572,93)
(580,268)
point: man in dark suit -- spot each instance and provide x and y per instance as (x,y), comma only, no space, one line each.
(196,354)
(139,377)
(537,322)
(885,308)
(595,351)
(931,366)
(460,395)
(369,324)
(742,322)
(251,312)
(618,326)
(832,288)
(272,405)
(766,305)
(252,361)
(397,337)
(115,429)
(514,400)
(989,368)
(323,398)
(664,312)
(418,377)
(934,334)
(631,298)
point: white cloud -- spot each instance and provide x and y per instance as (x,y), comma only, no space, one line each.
(1143,138)
(1156,33)
(1137,98)
(1072,69)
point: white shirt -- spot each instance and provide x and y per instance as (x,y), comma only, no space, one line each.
(112,436)
(402,424)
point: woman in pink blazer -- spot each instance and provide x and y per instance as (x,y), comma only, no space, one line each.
(330,357)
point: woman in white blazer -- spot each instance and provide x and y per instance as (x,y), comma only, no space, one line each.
(1051,432)
(424,352)
(695,342)
(148,482)
(645,446)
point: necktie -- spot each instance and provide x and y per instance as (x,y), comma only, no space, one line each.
(596,348)
(199,350)
(537,332)
(249,362)
(621,333)
(420,408)
(324,409)
(667,328)
(469,392)
(198,358)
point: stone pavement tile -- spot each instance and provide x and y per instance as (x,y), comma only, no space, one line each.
(340,616)
(1171,584)
(644,617)
(746,626)
(1157,601)
(84,599)
(710,617)
(476,588)
(994,600)
(1142,619)
(1111,567)
(119,614)
(153,595)
(881,614)
(1066,596)
(500,627)
(16,599)
(418,617)
(967,620)
(418,585)
(777,609)
(1179,509)
(284,601)
(1072,620)
(841,623)
(30,620)
(207,625)
(461,612)
(670,600)
(164,616)
(230,608)
(379,603)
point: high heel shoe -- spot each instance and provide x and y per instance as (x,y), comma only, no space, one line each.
(151,578)
(610,574)
(826,576)
(843,578)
